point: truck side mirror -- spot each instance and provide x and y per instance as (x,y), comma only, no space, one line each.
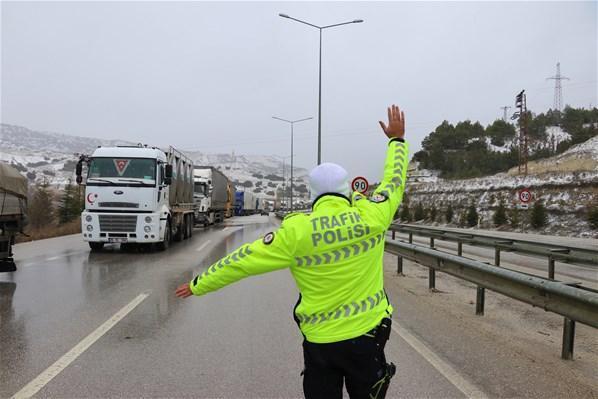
(79,171)
(168,174)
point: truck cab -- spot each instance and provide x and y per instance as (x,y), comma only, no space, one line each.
(128,198)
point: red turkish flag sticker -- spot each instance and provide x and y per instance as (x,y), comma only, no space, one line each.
(121,165)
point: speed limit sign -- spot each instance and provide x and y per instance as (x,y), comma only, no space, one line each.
(525,195)
(360,184)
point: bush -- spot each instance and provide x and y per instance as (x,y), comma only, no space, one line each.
(472,216)
(449,213)
(500,215)
(419,213)
(593,217)
(539,217)
(405,215)
(514,217)
(433,212)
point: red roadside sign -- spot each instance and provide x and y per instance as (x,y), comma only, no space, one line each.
(525,195)
(360,184)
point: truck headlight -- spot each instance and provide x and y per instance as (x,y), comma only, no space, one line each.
(88,218)
(148,219)
(147,229)
(89,227)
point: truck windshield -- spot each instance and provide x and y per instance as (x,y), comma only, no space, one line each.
(122,168)
(201,189)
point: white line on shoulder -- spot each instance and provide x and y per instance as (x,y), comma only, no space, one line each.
(48,374)
(454,377)
(202,246)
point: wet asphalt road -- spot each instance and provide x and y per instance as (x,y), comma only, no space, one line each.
(239,342)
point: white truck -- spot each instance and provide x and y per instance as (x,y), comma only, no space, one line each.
(210,195)
(136,195)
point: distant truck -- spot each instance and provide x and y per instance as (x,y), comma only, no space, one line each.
(249,203)
(210,195)
(230,200)
(13,206)
(136,195)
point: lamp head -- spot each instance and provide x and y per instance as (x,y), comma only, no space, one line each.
(284,15)
(358,21)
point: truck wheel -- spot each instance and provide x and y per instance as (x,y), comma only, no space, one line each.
(190,226)
(178,236)
(185,227)
(96,246)
(163,245)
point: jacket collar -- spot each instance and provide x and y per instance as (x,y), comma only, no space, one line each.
(329,198)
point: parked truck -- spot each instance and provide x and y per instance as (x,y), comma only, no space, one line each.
(13,206)
(136,195)
(246,203)
(210,195)
(230,200)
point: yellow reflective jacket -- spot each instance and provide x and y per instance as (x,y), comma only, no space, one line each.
(335,254)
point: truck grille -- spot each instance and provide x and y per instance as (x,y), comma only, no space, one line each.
(118,223)
(118,205)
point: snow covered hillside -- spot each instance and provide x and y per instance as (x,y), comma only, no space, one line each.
(567,184)
(51,157)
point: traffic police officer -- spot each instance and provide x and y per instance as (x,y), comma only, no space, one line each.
(335,254)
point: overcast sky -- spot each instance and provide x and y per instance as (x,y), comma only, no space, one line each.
(209,76)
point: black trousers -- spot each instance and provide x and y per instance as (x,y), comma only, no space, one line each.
(359,363)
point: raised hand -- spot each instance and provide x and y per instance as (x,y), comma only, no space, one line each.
(396,123)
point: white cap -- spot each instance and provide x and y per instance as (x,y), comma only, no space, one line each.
(329,178)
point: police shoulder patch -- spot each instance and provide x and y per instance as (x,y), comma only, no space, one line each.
(377,198)
(268,238)
(357,197)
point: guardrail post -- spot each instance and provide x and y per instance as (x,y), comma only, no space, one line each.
(460,248)
(432,279)
(410,238)
(568,339)
(497,256)
(551,268)
(431,242)
(393,234)
(399,265)
(480,299)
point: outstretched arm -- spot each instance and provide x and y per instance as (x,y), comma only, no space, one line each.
(389,194)
(272,252)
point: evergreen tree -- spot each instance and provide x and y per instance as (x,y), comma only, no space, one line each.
(463,219)
(539,216)
(593,217)
(41,209)
(432,213)
(500,215)
(419,212)
(404,215)
(514,217)
(67,205)
(449,213)
(472,215)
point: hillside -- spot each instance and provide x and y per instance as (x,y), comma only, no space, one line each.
(567,184)
(51,157)
(468,149)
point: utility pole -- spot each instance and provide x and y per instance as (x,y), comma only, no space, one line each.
(521,105)
(505,109)
(558,90)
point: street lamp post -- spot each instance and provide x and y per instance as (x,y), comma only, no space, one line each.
(292,123)
(320,28)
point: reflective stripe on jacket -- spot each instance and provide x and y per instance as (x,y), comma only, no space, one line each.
(335,254)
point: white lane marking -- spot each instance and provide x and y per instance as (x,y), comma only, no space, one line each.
(468,389)
(48,374)
(202,246)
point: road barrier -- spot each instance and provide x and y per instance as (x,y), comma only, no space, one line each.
(575,303)
(553,252)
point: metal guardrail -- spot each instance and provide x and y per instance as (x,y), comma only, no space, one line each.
(575,303)
(554,252)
